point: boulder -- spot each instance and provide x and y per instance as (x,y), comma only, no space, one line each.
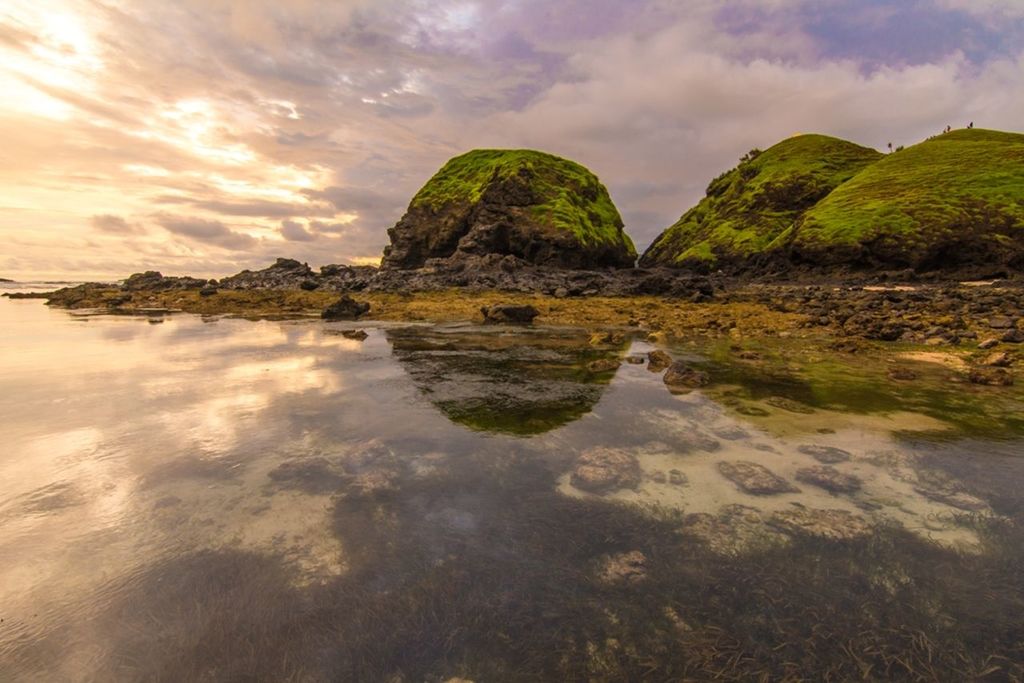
(682,377)
(345,308)
(509,313)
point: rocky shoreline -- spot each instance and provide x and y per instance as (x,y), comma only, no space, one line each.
(988,315)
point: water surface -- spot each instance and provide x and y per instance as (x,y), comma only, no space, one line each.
(189,498)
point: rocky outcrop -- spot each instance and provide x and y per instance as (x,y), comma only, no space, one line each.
(509,313)
(530,205)
(345,308)
(153,281)
(285,273)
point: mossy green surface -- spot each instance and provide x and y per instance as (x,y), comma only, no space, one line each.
(955,200)
(747,208)
(569,197)
(964,189)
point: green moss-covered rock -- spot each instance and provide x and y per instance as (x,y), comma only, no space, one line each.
(535,206)
(748,208)
(954,202)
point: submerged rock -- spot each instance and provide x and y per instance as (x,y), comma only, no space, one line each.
(357,335)
(629,567)
(509,313)
(829,478)
(755,479)
(601,470)
(345,308)
(537,208)
(836,525)
(603,365)
(828,455)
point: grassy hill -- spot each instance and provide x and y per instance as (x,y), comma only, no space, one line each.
(956,199)
(953,201)
(567,196)
(749,207)
(532,205)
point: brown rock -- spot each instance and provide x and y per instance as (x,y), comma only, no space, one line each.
(836,525)
(755,479)
(998,360)
(994,377)
(509,313)
(658,360)
(627,568)
(825,454)
(345,308)
(601,470)
(828,478)
(681,376)
(603,365)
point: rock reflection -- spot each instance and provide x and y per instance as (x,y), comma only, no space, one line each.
(519,381)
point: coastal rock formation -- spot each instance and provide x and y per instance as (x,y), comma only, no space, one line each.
(535,207)
(285,273)
(152,281)
(748,208)
(954,203)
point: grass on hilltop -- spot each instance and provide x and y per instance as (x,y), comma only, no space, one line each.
(570,198)
(748,207)
(958,192)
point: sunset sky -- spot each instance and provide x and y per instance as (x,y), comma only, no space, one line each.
(207,136)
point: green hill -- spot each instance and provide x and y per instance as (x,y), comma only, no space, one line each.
(536,206)
(953,201)
(749,207)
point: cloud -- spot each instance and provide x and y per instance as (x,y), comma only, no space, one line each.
(294,232)
(116,225)
(223,119)
(208,232)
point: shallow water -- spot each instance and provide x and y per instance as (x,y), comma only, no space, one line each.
(188,498)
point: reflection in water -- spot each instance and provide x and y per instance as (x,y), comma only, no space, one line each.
(222,499)
(506,379)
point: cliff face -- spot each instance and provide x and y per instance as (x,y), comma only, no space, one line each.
(537,207)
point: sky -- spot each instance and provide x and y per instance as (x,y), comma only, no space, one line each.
(206,136)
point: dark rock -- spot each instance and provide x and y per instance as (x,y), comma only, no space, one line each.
(509,313)
(988,344)
(207,291)
(635,359)
(995,377)
(358,335)
(1013,337)
(309,285)
(283,274)
(153,281)
(825,454)
(345,308)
